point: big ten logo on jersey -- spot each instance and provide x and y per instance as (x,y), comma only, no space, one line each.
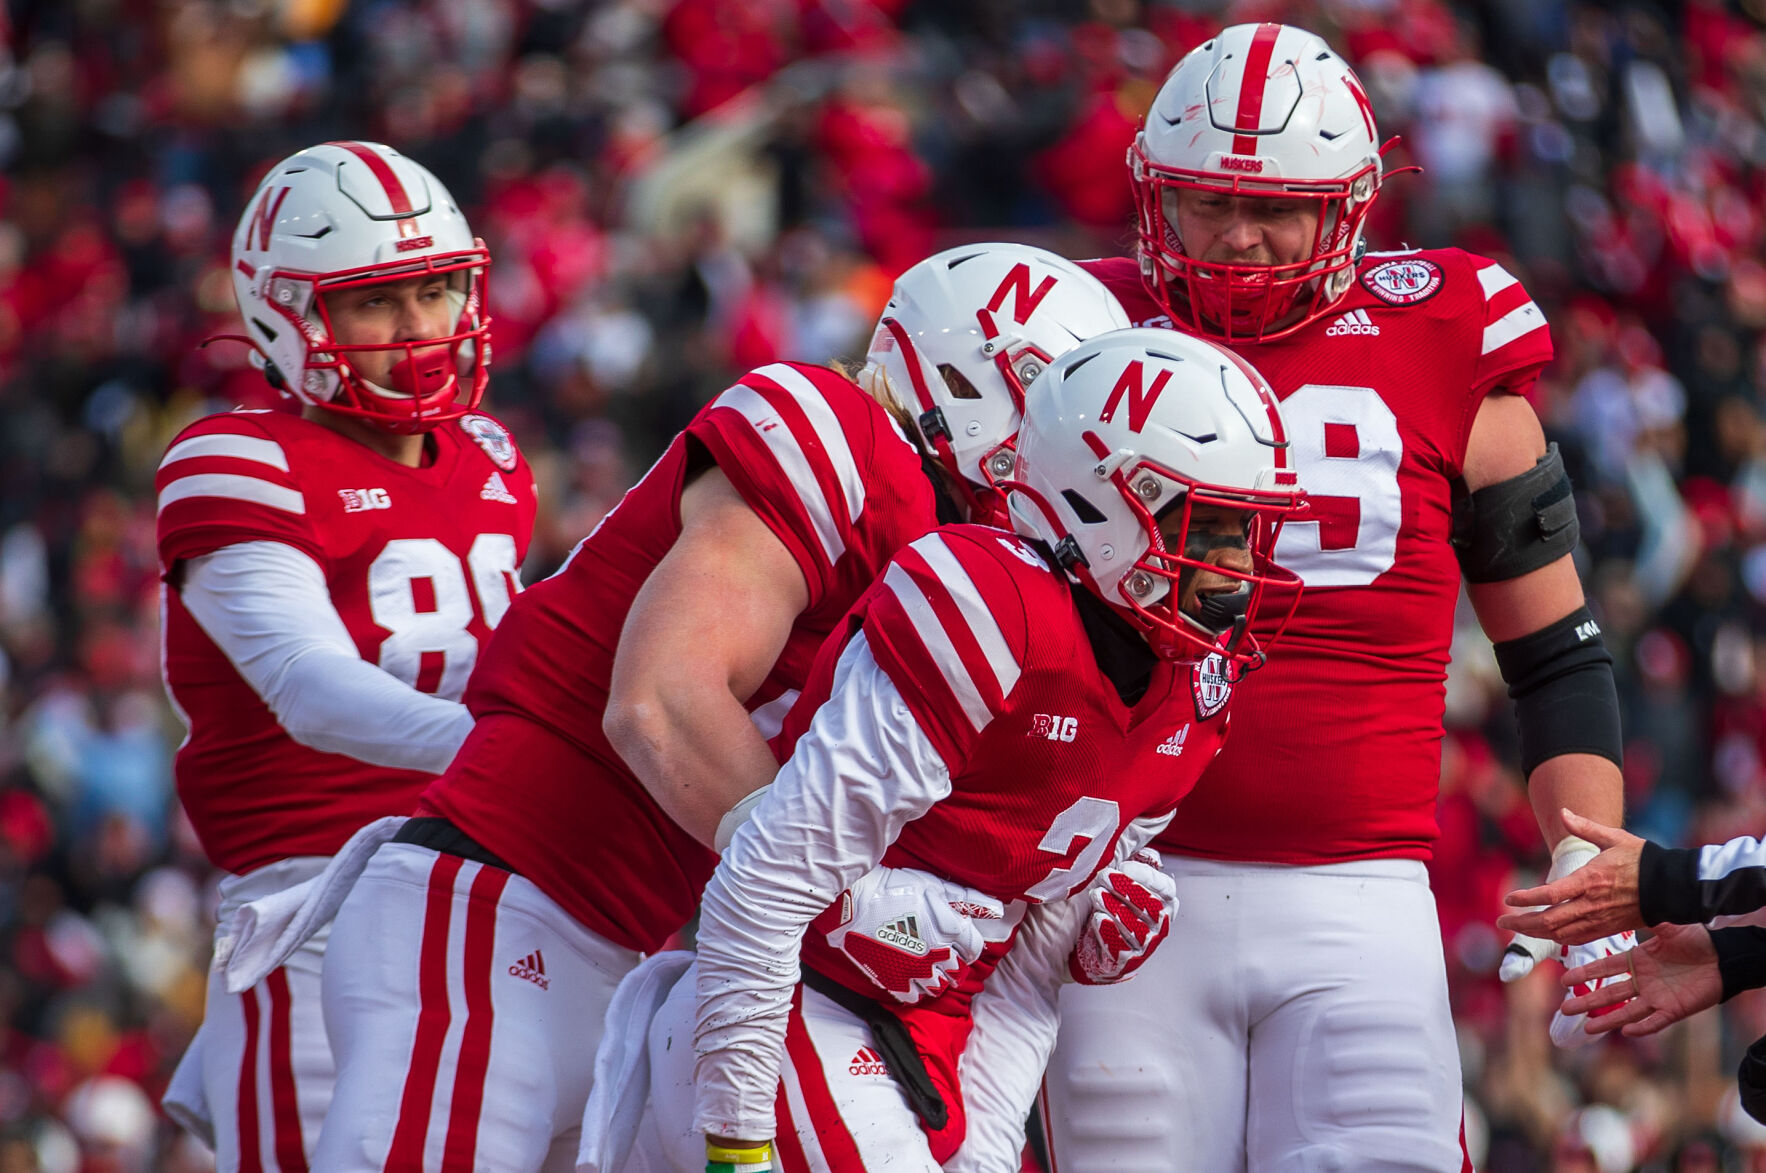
(1022,552)
(357,500)
(1052,728)
(422,595)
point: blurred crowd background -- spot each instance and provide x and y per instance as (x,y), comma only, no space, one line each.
(677,190)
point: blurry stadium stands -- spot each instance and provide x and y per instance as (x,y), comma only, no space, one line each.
(674,192)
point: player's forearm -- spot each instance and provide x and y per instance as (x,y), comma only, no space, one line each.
(855,778)
(1585,783)
(1016,1019)
(344,705)
(694,748)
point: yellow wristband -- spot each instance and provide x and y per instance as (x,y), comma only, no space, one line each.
(754,1156)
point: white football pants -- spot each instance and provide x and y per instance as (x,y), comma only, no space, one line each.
(839,1109)
(1295,1021)
(256,1080)
(464,1008)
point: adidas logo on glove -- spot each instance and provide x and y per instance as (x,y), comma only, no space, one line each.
(904,934)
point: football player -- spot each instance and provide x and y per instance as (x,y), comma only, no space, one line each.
(624,708)
(329,578)
(1012,712)
(1300,1018)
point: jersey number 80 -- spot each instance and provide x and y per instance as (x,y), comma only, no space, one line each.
(417,591)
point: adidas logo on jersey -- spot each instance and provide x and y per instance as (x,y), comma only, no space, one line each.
(357,500)
(904,934)
(1353,322)
(1173,746)
(495,490)
(532,968)
(867,1062)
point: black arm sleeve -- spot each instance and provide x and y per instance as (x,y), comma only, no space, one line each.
(1688,886)
(1741,958)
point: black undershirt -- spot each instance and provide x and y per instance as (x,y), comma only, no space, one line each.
(1121,651)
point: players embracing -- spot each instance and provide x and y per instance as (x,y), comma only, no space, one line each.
(1298,1017)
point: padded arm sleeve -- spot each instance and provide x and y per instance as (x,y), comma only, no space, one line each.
(862,770)
(266,606)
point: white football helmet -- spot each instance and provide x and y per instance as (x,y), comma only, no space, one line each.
(1262,110)
(347,214)
(964,333)
(1124,429)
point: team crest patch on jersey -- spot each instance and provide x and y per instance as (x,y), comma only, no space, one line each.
(1212,685)
(493,438)
(1404,282)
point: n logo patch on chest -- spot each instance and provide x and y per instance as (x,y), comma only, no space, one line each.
(1211,683)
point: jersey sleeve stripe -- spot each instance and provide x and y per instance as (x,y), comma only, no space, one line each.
(937,642)
(234,487)
(1523,319)
(782,443)
(821,417)
(977,618)
(1495,279)
(253,448)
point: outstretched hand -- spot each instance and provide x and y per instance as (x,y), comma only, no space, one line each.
(1596,900)
(1671,976)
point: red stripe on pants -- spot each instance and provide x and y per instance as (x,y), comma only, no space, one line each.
(787,1149)
(475,1036)
(824,1114)
(291,1151)
(250,1161)
(406,1152)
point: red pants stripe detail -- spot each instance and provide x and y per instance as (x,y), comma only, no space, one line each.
(291,1152)
(788,1151)
(475,1036)
(406,1152)
(250,1159)
(1048,1125)
(837,1143)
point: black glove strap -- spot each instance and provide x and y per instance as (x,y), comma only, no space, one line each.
(894,1044)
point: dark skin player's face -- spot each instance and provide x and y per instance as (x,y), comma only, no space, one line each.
(1217,537)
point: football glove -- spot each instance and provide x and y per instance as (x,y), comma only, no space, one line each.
(1524,952)
(913,933)
(1132,905)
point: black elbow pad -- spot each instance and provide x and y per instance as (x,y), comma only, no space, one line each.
(1561,680)
(1514,527)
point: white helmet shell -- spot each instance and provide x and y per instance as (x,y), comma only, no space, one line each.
(350,213)
(1259,110)
(1128,425)
(967,330)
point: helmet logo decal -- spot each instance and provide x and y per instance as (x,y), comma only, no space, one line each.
(266,220)
(1017,284)
(1367,107)
(1140,398)
(1240,163)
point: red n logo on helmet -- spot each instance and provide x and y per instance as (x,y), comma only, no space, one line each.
(266,219)
(1140,399)
(1024,302)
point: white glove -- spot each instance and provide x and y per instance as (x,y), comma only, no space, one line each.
(1524,952)
(913,933)
(1132,906)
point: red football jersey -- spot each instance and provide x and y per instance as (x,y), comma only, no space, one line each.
(1338,751)
(1048,765)
(421,566)
(537,783)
